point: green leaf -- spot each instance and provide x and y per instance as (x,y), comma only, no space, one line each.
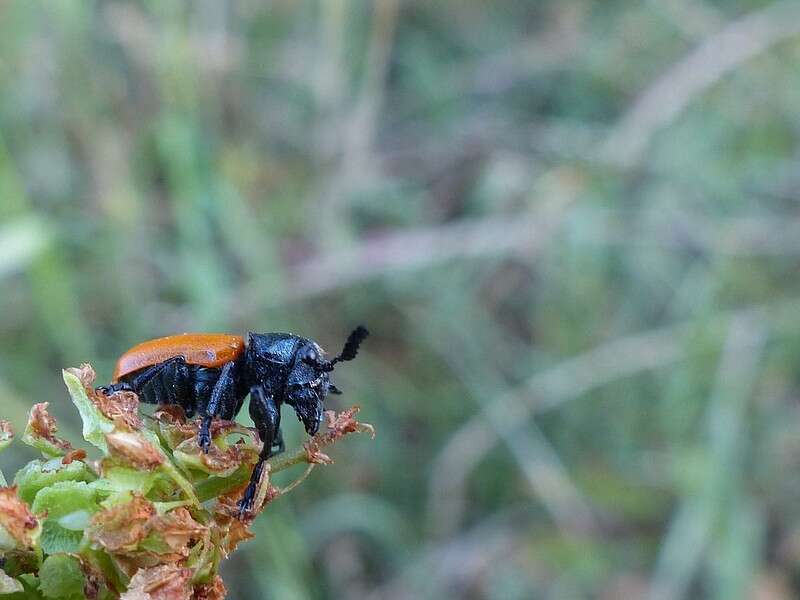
(69,506)
(169,469)
(47,448)
(31,584)
(56,538)
(95,423)
(96,426)
(216,486)
(163,508)
(193,461)
(155,544)
(61,578)
(66,498)
(39,474)
(125,479)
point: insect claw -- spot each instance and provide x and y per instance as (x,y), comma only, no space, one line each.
(246,503)
(204,441)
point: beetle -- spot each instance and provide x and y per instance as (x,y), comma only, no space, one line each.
(210,374)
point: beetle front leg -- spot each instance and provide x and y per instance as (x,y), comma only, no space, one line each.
(266,415)
(113,388)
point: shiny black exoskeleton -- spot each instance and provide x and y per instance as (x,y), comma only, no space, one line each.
(275,368)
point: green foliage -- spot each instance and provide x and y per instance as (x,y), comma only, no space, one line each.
(56,538)
(95,424)
(61,578)
(131,523)
(39,474)
(552,215)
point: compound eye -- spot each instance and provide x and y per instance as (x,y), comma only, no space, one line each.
(309,356)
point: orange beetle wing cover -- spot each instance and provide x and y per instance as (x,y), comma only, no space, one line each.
(204,349)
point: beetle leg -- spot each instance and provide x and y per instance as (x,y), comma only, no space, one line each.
(266,415)
(222,388)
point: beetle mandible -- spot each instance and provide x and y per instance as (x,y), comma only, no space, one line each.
(210,374)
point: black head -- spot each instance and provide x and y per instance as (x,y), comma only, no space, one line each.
(295,370)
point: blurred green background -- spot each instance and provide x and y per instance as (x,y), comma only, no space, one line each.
(572,227)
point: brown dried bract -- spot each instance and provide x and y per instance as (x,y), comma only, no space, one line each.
(167,582)
(237,533)
(124,529)
(226,518)
(231,458)
(173,425)
(121,407)
(93,580)
(314,455)
(72,455)
(345,422)
(226,514)
(170,413)
(121,527)
(211,591)
(42,425)
(175,429)
(85,373)
(178,529)
(227,506)
(220,461)
(16,518)
(133,449)
(338,426)
(221,427)
(237,530)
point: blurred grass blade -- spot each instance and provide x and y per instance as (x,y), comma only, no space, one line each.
(21,242)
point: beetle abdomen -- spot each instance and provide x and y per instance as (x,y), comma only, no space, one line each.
(204,349)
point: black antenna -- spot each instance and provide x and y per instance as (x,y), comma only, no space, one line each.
(350,347)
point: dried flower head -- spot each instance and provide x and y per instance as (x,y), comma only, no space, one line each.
(165,582)
(16,519)
(134,524)
(41,432)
